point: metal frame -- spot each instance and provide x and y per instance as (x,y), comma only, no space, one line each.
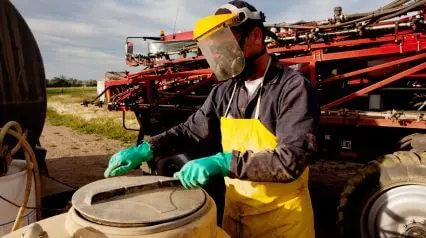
(404,43)
(396,119)
(374,68)
(375,86)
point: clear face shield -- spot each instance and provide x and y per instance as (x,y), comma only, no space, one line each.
(222,53)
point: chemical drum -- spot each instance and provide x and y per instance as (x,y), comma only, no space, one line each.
(12,188)
(134,206)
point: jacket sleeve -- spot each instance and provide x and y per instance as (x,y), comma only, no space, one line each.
(197,133)
(297,119)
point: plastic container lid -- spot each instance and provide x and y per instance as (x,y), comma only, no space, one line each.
(149,200)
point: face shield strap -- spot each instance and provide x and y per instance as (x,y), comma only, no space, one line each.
(244,14)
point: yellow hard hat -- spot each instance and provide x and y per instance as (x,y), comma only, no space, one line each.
(236,13)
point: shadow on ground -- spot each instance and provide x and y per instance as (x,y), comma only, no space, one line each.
(77,171)
(327,181)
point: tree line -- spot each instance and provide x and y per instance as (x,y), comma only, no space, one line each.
(63,81)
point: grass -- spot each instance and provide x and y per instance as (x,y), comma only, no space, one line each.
(100,126)
(65,109)
(71,94)
(73,91)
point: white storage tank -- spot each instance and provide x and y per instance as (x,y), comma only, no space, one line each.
(100,87)
(12,188)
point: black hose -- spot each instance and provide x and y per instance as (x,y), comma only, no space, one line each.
(392,5)
(395,4)
(369,17)
(378,14)
(405,10)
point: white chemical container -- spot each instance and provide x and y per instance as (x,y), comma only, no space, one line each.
(132,207)
(12,187)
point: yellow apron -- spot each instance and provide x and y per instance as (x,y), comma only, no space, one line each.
(262,209)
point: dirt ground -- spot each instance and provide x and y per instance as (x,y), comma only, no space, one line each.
(77,159)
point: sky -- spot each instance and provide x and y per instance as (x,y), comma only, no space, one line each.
(84,39)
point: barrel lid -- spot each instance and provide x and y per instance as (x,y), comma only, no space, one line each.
(135,201)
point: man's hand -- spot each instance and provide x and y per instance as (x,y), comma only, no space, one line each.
(197,172)
(128,159)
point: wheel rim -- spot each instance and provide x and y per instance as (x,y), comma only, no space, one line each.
(397,212)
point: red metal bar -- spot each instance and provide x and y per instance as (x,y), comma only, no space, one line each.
(177,61)
(347,43)
(144,78)
(184,91)
(373,68)
(126,94)
(187,35)
(417,76)
(383,50)
(306,47)
(148,71)
(182,80)
(172,75)
(297,60)
(119,82)
(153,71)
(358,81)
(362,121)
(392,49)
(375,86)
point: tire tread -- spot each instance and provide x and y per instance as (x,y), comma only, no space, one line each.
(384,172)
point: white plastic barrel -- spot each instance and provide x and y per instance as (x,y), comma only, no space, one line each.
(12,187)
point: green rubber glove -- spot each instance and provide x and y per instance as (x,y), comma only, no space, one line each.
(128,159)
(197,172)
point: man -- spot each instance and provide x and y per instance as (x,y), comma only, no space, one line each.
(260,121)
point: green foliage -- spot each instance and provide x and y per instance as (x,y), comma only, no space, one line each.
(71,94)
(63,81)
(100,126)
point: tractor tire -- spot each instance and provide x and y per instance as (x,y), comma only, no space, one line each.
(386,198)
(172,164)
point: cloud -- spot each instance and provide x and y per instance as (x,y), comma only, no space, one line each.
(85,38)
(82,55)
(62,27)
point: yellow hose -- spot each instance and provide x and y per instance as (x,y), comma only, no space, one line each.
(14,129)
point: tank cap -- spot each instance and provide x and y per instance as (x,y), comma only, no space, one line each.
(152,200)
